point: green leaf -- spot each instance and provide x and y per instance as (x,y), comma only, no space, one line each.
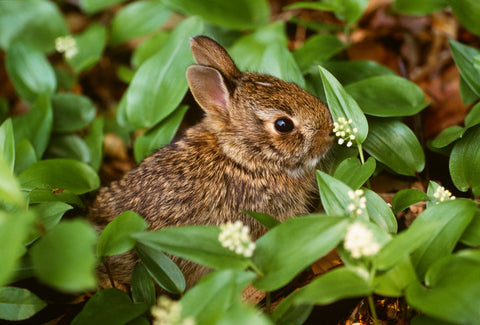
(448,135)
(316,50)
(115,238)
(69,146)
(353,173)
(473,117)
(213,295)
(25,156)
(37,23)
(7,143)
(279,62)
(148,48)
(13,232)
(92,6)
(19,304)
(463,56)
(471,236)
(94,141)
(407,197)
(464,162)
(160,135)
(29,71)
(240,14)
(276,253)
(353,71)
(379,212)
(423,319)
(351,10)
(341,104)
(64,257)
(67,174)
(467,12)
(243,313)
(137,19)
(71,112)
(340,283)
(196,243)
(46,195)
(324,6)
(387,95)
(451,290)
(9,188)
(160,84)
(90,45)
(392,143)
(393,282)
(264,219)
(35,125)
(142,286)
(412,7)
(162,269)
(109,306)
(48,215)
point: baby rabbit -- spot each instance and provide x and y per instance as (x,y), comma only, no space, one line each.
(256,149)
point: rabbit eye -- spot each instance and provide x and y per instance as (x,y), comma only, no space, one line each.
(284,125)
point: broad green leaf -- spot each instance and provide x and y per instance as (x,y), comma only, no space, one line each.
(25,156)
(340,283)
(393,282)
(464,162)
(407,197)
(29,71)
(448,135)
(19,304)
(66,174)
(160,84)
(64,257)
(35,22)
(148,48)
(287,312)
(240,14)
(196,243)
(353,173)
(341,104)
(423,319)
(69,146)
(279,62)
(71,112)
(467,12)
(211,297)
(351,10)
(392,143)
(55,195)
(450,292)
(160,135)
(266,220)
(276,253)
(48,215)
(243,313)
(379,212)
(471,236)
(325,6)
(137,19)
(93,6)
(413,7)
(142,286)
(7,143)
(387,95)
(473,117)
(347,72)
(463,56)
(35,125)
(161,268)
(10,192)
(115,238)
(90,45)
(248,51)
(316,50)
(94,141)
(14,230)
(109,306)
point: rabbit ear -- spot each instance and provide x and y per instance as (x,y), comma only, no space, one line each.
(208,52)
(209,89)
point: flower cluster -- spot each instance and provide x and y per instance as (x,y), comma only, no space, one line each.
(343,131)
(359,241)
(67,45)
(442,194)
(169,312)
(235,236)
(359,202)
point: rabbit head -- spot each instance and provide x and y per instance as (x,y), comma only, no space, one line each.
(259,120)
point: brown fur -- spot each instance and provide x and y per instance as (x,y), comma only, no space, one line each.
(233,160)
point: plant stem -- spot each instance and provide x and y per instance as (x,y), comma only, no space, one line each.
(360,151)
(256,269)
(371,304)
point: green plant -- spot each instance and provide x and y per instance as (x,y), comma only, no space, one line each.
(51,155)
